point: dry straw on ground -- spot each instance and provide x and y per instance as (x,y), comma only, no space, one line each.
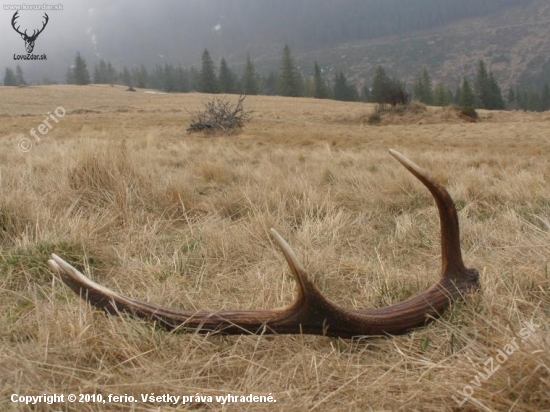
(118,189)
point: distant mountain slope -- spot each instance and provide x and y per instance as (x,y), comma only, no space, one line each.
(514,42)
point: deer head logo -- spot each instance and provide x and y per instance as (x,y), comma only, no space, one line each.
(29,40)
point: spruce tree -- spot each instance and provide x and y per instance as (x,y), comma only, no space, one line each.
(320,90)
(208,83)
(9,77)
(169,78)
(494,100)
(467,96)
(481,85)
(290,81)
(423,88)
(226,78)
(386,90)
(418,90)
(520,101)
(487,90)
(19,78)
(112,75)
(97,76)
(194,78)
(441,96)
(181,79)
(270,84)
(532,101)
(342,90)
(126,77)
(100,73)
(155,78)
(141,77)
(80,71)
(249,82)
(381,83)
(450,96)
(511,98)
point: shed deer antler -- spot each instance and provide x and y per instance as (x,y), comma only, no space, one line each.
(311,312)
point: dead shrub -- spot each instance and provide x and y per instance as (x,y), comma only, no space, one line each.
(219,114)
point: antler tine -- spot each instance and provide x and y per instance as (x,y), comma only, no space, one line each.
(44,24)
(311,312)
(451,255)
(13,21)
(35,32)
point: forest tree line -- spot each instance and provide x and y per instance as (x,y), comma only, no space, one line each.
(480,91)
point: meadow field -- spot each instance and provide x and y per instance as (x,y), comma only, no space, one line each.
(121,191)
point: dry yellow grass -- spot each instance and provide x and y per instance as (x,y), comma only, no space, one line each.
(120,190)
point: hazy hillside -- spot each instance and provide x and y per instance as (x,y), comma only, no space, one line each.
(514,41)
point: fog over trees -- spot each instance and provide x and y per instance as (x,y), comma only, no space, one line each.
(130,33)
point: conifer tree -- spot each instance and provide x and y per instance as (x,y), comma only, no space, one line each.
(194,77)
(423,88)
(141,77)
(386,90)
(208,83)
(467,97)
(112,75)
(380,86)
(481,85)
(182,79)
(342,90)
(270,84)
(249,82)
(226,78)
(100,73)
(494,99)
(169,81)
(80,73)
(290,81)
(320,89)
(9,77)
(487,90)
(19,78)
(126,77)
(511,98)
(441,96)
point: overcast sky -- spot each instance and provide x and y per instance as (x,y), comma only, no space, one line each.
(133,32)
(125,32)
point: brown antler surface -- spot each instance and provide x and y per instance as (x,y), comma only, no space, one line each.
(311,312)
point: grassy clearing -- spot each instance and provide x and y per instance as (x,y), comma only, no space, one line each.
(119,190)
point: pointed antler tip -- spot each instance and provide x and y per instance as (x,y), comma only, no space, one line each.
(54,266)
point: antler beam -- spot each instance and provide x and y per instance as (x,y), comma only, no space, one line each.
(311,312)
